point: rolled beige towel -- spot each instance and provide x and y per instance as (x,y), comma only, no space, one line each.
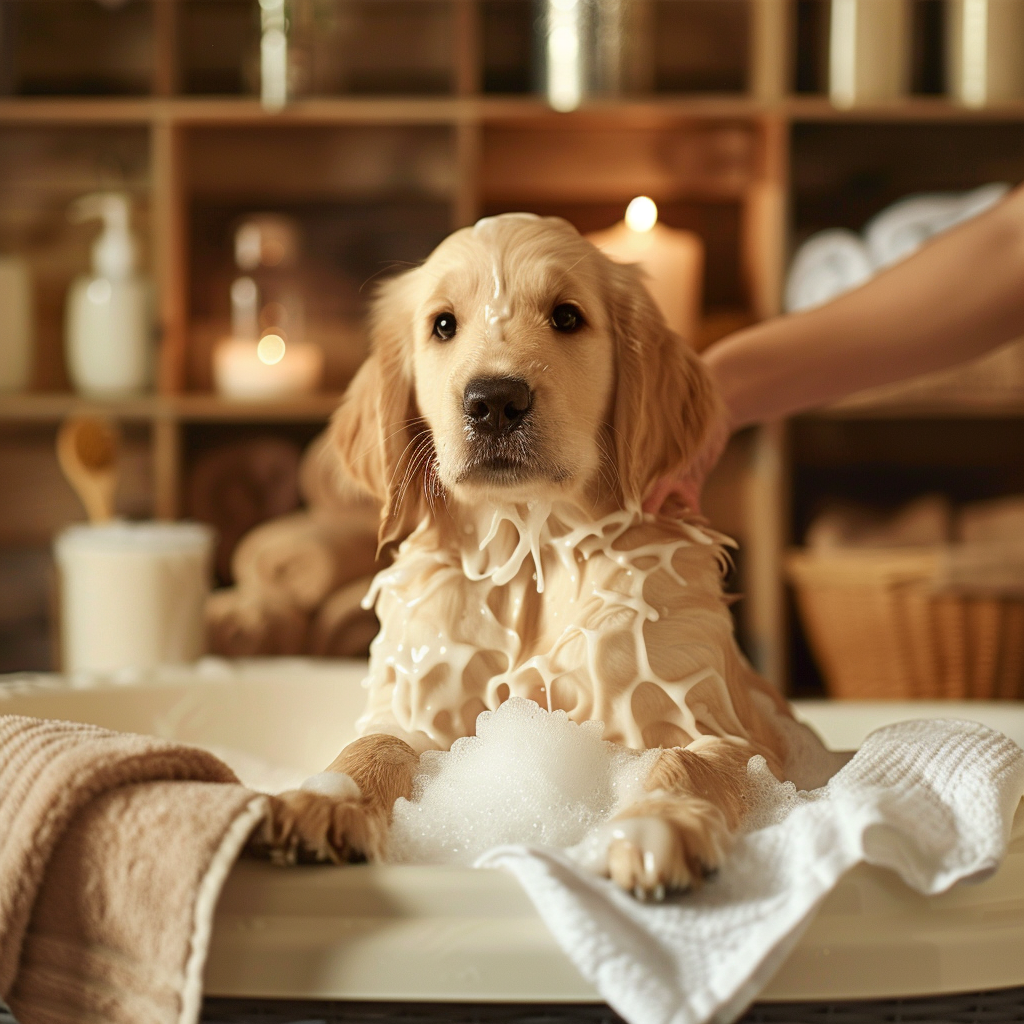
(299,559)
(342,628)
(242,625)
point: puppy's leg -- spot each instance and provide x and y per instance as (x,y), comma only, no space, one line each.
(342,814)
(678,834)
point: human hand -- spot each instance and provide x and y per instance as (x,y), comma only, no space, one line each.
(670,495)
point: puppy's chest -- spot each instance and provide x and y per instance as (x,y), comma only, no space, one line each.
(573,596)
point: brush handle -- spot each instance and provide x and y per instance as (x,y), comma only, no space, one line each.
(95,485)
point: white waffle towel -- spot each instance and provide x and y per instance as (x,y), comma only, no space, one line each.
(932,800)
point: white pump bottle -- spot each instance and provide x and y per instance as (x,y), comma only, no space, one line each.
(108,324)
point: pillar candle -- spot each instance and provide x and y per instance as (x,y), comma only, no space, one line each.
(672,260)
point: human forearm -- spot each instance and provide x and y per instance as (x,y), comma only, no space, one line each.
(959,297)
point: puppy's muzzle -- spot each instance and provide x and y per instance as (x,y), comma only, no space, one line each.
(495,406)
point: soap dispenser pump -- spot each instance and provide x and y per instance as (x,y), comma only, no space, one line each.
(108,323)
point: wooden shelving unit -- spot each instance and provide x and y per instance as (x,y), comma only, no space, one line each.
(725,163)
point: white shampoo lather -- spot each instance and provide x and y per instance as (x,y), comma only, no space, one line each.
(108,323)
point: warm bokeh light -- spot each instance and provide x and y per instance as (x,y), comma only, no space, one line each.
(270,349)
(641,214)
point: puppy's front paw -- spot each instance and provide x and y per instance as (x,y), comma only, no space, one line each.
(652,855)
(320,823)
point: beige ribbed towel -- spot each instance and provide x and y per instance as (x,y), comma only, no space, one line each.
(244,625)
(343,628)
(113,850)
(300,560)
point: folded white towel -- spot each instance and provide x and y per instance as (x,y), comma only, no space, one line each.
(931,800)
(900,229)
(826,265)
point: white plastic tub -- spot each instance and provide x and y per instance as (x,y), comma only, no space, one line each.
(454,934)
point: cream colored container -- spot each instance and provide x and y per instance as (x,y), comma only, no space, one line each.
(132,594)
(16,324)
(869,51)
(985,50)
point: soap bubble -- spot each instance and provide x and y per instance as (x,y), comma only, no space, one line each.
(528,776)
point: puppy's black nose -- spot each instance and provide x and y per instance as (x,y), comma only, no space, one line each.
(496,405)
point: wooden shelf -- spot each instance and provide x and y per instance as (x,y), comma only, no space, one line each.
(652,109)
(977,407)
(908,108)
(187,408)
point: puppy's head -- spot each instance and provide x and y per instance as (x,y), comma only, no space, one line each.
(518,362)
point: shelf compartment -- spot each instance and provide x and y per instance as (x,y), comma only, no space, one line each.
(304,163)
(926,73)
(726,302)
(336,47)
(529,163)
(668,46)
(699,46)
(843,174)
(69,47)
(365,200)
(42,171)
(39,502)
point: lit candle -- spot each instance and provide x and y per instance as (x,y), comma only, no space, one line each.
(672,261)
(268,368)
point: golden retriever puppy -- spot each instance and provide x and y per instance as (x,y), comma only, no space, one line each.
(522,394)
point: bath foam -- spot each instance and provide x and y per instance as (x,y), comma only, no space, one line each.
(528,776)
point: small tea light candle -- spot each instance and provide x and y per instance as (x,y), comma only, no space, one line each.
(673,262)
(268,368)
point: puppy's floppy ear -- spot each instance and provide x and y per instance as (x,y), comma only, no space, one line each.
(377,429)
(664,398)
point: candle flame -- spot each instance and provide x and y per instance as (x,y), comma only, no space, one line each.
(641,214)
(270,350)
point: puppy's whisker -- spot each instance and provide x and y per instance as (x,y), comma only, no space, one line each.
(413,465)
(409,461)
(377,444)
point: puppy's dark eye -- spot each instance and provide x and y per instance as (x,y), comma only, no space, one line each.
(445,326)
(566,318)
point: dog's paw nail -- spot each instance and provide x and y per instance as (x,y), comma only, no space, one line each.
(659,893)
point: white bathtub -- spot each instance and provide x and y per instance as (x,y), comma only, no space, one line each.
(454,934)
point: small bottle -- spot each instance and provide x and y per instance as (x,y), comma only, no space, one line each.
(108,326)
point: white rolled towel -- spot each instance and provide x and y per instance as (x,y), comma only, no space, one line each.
(904,227)
(826,265)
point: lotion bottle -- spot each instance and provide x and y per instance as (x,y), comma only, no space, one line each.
(108,322)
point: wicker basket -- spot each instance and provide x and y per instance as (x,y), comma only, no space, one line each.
(880,628)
